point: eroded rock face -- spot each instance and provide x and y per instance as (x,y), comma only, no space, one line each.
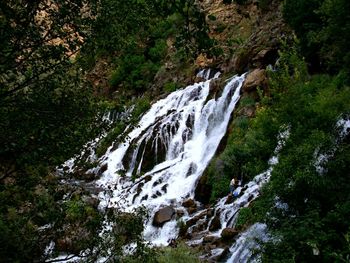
(203,190)
(229,233)
(164,215)
(189,203)
(215,223)
(256,78)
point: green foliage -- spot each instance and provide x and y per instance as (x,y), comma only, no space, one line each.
(170,86)
(135,72)
(47,110)
(245,217)
(248,149)
(323,30)
(305,210)
(181,253)
(246,101)
(111,137)
(141,106)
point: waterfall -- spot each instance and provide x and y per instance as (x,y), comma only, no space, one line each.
(162,158)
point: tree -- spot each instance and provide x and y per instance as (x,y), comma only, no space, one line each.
(44,102)
(323,29)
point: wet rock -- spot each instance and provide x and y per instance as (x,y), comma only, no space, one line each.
(209,239)
(189,203)
(229,233)
(162,216)
(199,227)
(191,210)
(192,169)
(194,220)
(215,223)
(102,169)
(157,182)
(164,188)
(147,178)
(229,199)
(223,255)
(256,78)
(157,194)
(250,198)
(203,190)
(144,198)
(180,213)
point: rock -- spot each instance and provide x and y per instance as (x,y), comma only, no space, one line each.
(194,220)
(202,61)
(180,213)
(191,210)
(254,79)
(265,57)
(189,203)
(163,215)
(209,239)
(250,198)
(229,233)
(248,111)
(164,188)
(191,170)
(203,190)
(221,257)
(147,178)
(229,199)
(102,169)
(215,224)
(73,239)
(91,201)
(241,61)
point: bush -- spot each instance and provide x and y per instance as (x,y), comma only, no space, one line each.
(111,137)
(181,253)
(245,218)
(170,86)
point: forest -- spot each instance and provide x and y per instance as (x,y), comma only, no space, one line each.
(52,54)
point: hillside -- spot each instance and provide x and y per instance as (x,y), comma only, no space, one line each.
(123,123)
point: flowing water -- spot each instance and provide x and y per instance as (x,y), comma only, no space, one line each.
(167,153)
(160,161)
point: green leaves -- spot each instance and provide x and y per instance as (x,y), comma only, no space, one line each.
(323,29)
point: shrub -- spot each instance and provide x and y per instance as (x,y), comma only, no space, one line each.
(181,253)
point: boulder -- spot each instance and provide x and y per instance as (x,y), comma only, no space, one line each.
(102,169)
(203,190)
(163,215)
(194,219)
(229,233)
(221,257)
(189,203)
(254,79)
(202,61)
(215,224)
(209,239)
(229,199)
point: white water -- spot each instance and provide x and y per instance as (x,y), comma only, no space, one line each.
(242,250)
(187,127)
(228,212)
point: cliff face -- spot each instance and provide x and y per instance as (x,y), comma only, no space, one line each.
(248,35)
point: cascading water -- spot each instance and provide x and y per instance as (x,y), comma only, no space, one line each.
(168,151)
